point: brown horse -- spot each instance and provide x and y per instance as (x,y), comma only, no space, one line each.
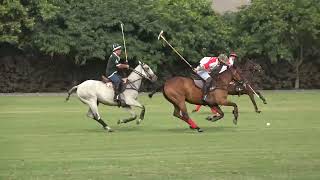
(179,90)
(234,88)
(248,72)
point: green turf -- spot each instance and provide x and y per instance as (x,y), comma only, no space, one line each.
(42,137)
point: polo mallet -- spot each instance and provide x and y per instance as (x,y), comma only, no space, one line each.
(253,91)
(162,37)
(124,42)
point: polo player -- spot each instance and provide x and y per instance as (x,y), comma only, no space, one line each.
(115,71)
(210,65)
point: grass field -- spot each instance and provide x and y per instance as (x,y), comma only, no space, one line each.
(42,137)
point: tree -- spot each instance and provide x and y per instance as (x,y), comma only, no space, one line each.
(18,18)
(85,30)
(280,30)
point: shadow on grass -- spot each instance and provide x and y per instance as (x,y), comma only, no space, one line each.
(206,129)
(207,113)
(128,128)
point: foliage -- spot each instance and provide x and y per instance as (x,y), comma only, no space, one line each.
(83,30)
(86,29)
(278,29)
(18,18)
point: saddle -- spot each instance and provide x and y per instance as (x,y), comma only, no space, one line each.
(199,83)
(105,79)
(109,84)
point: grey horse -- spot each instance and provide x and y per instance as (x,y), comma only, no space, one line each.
(93,92)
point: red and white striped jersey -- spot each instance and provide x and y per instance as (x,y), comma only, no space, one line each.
(230,62)
(209,63)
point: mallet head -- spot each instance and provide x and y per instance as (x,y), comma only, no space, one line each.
(160,35)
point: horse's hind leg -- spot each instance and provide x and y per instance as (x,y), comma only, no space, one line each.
(126,120)
(94,111)
(90,114)
(180,111)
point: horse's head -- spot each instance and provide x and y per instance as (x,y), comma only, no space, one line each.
(147,72)
(236,74)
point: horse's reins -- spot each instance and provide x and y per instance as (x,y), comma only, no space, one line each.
(140,74)
(225,86)
(141,77)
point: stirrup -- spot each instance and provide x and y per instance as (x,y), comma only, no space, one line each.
(204,100)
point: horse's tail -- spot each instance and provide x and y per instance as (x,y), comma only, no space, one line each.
(72,90)
(155,90)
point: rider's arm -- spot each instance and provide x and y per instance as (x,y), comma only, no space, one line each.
(122,66)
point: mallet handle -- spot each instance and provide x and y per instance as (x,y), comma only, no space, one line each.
(177,52)
(124,43)
(253,91)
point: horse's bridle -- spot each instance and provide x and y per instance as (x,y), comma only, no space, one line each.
(142,76)
(233,71)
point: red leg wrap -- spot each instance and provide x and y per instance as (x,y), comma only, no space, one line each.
(192,124)
(214,111)
(197,108)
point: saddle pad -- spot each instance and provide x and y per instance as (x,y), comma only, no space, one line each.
(109,84)
(198,83)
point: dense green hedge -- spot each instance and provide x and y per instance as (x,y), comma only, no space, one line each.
(82,30)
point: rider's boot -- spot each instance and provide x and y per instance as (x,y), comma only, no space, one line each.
(205,89)
(116,97)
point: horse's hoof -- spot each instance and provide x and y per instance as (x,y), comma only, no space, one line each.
(213,118)
(138,121)
(199,129)
(119,121)
(258,111)
(265,102)
(108,129)
(235,121)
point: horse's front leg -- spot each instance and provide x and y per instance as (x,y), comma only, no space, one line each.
(261,97)
(141,117)
(216,116)
(131,118)
(135,103)
(250,94)
(235,109)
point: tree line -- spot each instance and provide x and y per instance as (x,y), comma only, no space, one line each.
(82,31)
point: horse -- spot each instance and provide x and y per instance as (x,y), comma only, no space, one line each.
(93,92)
(235,88)
(179,90)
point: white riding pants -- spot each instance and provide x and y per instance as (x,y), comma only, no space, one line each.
(204,74)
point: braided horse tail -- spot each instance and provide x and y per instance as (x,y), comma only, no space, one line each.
(72,90)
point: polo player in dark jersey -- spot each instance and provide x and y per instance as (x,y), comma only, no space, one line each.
(115,71)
